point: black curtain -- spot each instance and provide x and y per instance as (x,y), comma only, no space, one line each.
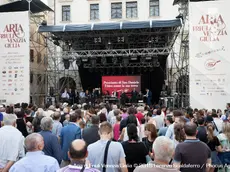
(153,80)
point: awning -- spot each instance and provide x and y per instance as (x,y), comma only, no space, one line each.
(111,26)
(36,6)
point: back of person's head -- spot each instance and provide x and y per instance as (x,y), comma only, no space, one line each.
(78,150)
(131,111)
(105,128)
(132,120)
(34,142)
(226,130)
(142,120)
(102,117)
(75,117)
(179,132)
(200,120)
(56,115)
(118,118)
(210,131)
(152,129)
(169,119)
(95,120)
(20,114)
(9,119)
(163,149)
(190,129)
(158,112)
(116,112)
(46,124)
(149,114)
(214,115)
(178,113)
(132,132)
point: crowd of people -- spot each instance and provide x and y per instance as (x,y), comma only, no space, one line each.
(108,138)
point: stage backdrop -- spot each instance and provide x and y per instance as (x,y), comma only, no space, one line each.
(209,54)
(119,83)
(14,57)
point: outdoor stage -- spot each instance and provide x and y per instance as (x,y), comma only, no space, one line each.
(118,48)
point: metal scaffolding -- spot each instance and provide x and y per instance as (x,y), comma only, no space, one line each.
(180,60)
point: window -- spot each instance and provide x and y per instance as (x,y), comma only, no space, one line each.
(39,58)
(154,8)
(131,9)
(116,10)
(31,55)
(66,13)
(94,11)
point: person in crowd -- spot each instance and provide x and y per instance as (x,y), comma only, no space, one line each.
(201,130)
(124,134)
(65,96)
(11,143)
(148,96)
(77,154)
(116,128)
(163,149)
(90,135)
(217,122)
(150,119)
(142,129)
(21,123)
(179,133)
(35,160)
(168,121)
(67,120)
(159,120)
(151,135)
(123,124)
(135,151)
(189,152)
(50,111)
(224,139)
(176,116)
(111,114)
(139,114)
(57,126)
(37,120)
(102,117)
(68,134)
(214,145)
(115,153)
(51,145)
(116,113)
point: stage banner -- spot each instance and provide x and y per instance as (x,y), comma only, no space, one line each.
(119,83)
(15,58)
(209,39)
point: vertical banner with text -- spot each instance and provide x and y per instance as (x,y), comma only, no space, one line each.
(209,24)
(15,58)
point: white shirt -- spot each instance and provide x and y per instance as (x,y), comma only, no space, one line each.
(49,113)
(159,121)
(65,95)
(219,123)
(11,145)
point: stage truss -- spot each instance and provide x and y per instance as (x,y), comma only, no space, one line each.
(179,71)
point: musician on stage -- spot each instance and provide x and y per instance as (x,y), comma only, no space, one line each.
(82,97)
(148,95)
(115,93)
(134,95)
(65,96)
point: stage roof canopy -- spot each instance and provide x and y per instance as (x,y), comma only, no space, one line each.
(36,6)
(175,2)
(111,26)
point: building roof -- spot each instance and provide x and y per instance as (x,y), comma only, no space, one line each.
(36,6)
(111,26)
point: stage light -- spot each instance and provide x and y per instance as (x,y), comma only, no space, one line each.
(148,58)
(84,59)
(134,58)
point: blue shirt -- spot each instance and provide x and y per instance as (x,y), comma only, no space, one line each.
(68,134)
(1,119)
(35,162)
(52,146)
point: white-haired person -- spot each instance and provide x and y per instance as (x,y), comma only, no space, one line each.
(35,160)
(163,150)
(11,143)
(37,120)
